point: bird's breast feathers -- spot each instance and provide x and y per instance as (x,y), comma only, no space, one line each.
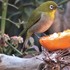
(42,25)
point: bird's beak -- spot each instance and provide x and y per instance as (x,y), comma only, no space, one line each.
(60,8)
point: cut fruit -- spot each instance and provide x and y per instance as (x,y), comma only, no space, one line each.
(56,41)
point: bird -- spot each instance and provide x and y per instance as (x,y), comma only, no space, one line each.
(40,20)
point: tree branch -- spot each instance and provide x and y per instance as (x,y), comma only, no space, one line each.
(16,63)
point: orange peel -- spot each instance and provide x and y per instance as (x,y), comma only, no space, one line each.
(56,41)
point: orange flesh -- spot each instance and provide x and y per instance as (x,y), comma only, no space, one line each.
(56,43)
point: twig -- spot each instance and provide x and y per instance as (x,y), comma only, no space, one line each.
(62,2)
(7,19)
(4,13)
(13,6)
(10,5)
(14,48)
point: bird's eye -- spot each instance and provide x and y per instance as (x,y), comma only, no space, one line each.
(51,7)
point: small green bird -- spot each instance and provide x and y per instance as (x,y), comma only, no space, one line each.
(40,20)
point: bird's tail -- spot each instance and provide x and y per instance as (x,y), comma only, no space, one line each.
(23,32)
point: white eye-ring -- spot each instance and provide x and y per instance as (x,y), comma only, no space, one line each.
(51,7)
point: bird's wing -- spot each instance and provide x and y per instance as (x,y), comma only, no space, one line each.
(33,19)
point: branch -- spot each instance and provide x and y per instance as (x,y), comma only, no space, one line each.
(4,13)
(35,63)
(16,63)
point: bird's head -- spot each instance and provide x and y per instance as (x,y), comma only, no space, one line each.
(49,7)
